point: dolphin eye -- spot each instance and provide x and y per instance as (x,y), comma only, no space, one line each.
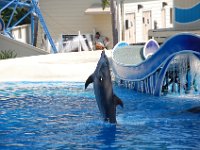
(101,79)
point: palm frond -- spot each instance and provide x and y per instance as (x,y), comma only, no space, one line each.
(5,54)
(105,3)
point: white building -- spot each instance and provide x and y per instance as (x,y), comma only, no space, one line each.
(135,18)
(186,18)
(143,15)
(22,33)
(138,20)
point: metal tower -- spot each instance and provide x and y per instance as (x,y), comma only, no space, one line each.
(33,10)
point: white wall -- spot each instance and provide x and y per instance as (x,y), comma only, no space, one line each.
(155,6)
(68,17)
(19,48)
(22,33)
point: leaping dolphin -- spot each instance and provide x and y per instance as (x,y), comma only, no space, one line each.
(103,90)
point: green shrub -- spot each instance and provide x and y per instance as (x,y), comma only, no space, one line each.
(5,54)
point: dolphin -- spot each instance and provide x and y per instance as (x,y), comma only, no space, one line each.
(194,109)
(103,90)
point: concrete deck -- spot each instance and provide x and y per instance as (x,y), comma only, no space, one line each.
(76,66)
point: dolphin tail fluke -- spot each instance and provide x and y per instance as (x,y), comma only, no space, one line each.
(118,101)
(89,80)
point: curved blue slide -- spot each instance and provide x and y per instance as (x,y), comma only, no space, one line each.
(184,42)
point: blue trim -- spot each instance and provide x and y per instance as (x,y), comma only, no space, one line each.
(8,3)
(120,44)
(11,17)
(42,21)
(2,24)
(187,15)
(20,20)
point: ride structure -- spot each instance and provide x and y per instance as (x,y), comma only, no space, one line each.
(173,67)
(33,10)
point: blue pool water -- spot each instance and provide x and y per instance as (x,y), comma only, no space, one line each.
(62,115)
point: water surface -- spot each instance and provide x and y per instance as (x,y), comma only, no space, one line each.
(62,115)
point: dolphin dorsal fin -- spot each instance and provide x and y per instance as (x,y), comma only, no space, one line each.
(89,80)
(118,101)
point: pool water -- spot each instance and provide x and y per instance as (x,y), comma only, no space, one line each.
(62,115)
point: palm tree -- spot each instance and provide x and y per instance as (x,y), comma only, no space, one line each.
(105,3)
(18,14)
(113,8)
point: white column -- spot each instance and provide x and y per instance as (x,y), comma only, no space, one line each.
(119,23)
(79,41)
(122,20)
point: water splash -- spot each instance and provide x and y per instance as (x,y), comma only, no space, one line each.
(182,76)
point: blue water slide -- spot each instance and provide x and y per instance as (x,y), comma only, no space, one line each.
(180,43)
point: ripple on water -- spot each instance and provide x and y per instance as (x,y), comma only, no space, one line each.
(60,115)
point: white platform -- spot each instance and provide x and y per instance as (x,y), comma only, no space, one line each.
(76,66)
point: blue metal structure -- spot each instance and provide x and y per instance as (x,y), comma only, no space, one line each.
(33,10)
(149,75)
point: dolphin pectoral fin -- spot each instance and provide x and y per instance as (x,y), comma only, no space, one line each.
(89,80)
(118,101)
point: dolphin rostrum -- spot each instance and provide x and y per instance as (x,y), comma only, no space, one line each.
(103,90)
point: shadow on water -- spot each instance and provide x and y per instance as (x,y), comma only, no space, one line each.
(107,135)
